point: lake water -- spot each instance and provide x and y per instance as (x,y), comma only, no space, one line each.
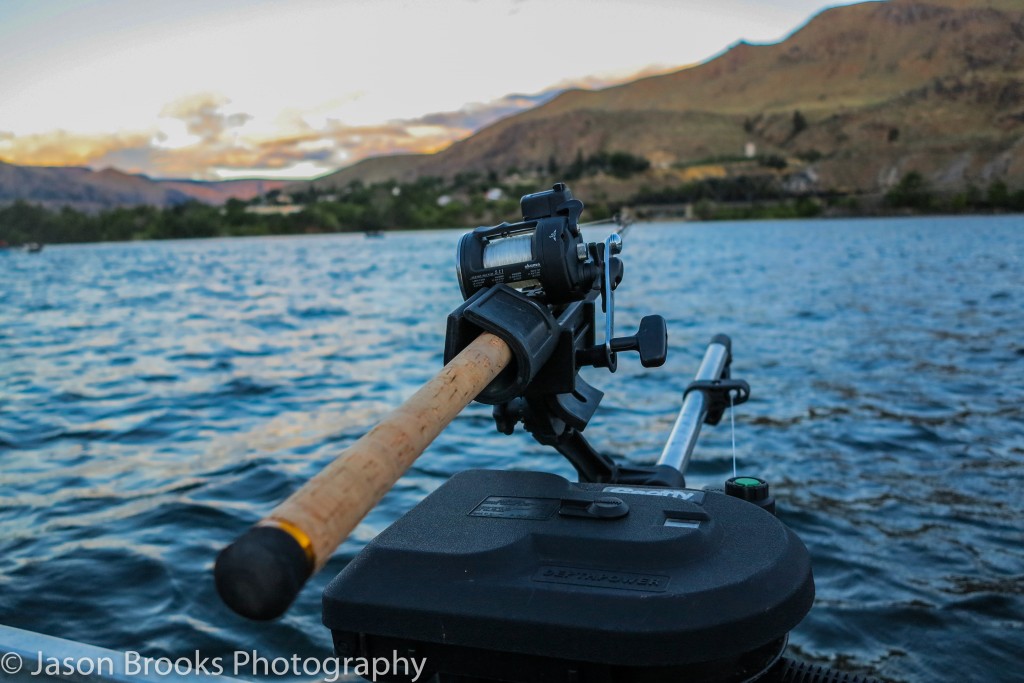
(158,398)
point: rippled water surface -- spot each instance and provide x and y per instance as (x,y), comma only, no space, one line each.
(158,398)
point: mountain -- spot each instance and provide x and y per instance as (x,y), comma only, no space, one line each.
(852,101)
(219,191)
(88,190)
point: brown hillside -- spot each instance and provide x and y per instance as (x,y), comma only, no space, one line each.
(400,167)
(845,56)
(88,190)
(885,87)
(77,187)
(219,191)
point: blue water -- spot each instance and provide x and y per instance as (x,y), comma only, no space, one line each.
(158,398)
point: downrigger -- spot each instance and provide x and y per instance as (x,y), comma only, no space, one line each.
(513,576)
(626,575)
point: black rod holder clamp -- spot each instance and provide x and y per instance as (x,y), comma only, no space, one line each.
(717,394)
(527,327)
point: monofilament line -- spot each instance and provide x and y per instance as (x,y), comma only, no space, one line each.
(505,252)
(732,421)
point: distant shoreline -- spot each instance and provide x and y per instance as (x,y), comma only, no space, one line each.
(471,200)
(713,213)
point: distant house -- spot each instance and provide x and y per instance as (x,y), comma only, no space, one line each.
(274,209)
(802,182)
(494,194)
(661,159)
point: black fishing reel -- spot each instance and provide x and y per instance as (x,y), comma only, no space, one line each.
(543,304)
(535,284)
(544,255)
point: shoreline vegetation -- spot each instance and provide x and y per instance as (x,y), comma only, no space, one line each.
(472,199)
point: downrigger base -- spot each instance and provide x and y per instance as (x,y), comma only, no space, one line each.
(524,576)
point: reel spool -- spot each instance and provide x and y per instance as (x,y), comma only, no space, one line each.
(544,255)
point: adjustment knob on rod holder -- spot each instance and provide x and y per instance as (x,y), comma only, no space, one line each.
(651,341)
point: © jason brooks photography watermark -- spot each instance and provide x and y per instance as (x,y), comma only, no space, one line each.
(240,663)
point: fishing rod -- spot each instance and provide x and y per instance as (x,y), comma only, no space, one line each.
(261,573)
(516,576)
(622,222)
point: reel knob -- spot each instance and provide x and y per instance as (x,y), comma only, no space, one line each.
(751,489)
(651,341)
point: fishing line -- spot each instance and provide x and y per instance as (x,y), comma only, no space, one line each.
(603,221)
(505,252)
(732,421)
(622,221)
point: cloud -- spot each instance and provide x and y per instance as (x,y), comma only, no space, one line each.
(61,148)
(325,149)
(200,137)
(203,117)
(475,116)
(141,159)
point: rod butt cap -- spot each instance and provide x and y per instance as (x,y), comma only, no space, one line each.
(260,574)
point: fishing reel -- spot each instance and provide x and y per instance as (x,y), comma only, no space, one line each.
(535,284)
(544,255)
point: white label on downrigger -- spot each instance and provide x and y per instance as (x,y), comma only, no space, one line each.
(680,494)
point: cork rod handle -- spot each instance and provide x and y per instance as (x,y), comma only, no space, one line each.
(261,573)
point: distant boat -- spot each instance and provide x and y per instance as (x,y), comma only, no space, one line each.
(33,247)
(373,233)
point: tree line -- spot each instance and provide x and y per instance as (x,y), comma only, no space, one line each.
(468,200)
(355,208)
(913,192)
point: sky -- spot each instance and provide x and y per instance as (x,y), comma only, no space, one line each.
(217,89)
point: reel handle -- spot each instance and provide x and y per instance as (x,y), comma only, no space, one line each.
(261,573)
(650,341)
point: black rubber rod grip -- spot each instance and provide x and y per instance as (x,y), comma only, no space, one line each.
(261,573)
